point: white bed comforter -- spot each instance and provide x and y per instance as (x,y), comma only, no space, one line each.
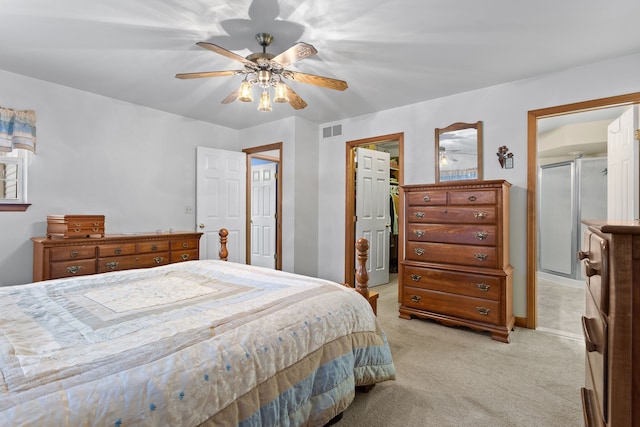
(185,343)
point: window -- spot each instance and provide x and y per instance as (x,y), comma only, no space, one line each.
(13,180)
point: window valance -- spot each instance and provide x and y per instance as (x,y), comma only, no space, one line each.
(17,129)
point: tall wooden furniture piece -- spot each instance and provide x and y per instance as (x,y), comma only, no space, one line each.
(611,324)
(57,258)
(456,260)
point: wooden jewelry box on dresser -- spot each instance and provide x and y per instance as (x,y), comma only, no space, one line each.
(66,257)
(456,260)
(611,324)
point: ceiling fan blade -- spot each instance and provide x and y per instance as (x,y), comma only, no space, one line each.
(209,74)
(316,80)
(224,52)
(232,97)
(294,99)
(297,52)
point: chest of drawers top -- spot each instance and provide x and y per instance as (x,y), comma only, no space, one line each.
(454,194)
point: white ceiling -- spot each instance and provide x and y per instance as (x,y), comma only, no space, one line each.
(391,53)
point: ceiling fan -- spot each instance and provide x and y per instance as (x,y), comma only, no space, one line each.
(266,70)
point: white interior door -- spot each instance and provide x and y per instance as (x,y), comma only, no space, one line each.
(263,215)
(221,201)
(622,167)
(373,210)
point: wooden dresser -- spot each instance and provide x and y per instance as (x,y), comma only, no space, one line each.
(56,258)
(456,260)
(611,324)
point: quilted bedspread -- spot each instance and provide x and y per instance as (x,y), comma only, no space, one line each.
(185,344)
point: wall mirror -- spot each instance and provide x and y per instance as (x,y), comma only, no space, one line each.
(459,152)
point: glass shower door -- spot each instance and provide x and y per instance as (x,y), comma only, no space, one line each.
(557,218)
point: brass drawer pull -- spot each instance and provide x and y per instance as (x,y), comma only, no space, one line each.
(472,198)
(97,224)
(419,251)
(117,250)
(419,214)
(483,286)
(416,277)
(158,259)
(76,230)
(112,265)
(73,269)
(415,298)
(74,254)
(481,235)
(95,229)
(483,310)
(185,245)
(427,198)
(480,257)
(481,215)
(154,247)
(184,257)
(418,233)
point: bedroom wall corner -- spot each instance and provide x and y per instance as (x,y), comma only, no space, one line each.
(97,155)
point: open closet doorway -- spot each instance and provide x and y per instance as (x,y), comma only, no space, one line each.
(393,144)
(536,121)
(264,205)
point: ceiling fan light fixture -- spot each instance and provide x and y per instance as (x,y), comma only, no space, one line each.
(245,92)
(265,101)
(281,93)
(264,78)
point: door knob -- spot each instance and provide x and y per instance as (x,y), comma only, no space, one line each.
(201,225)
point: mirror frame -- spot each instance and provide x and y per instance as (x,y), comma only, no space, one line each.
(455,127)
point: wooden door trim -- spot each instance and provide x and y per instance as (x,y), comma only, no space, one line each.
(253,153)
(532,177)
(349,239)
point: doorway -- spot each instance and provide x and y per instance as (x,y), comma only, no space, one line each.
(389,142)
(260,229)
(532,186)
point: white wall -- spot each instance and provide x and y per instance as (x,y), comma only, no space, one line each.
(300,191)
(97,155)
(503,111)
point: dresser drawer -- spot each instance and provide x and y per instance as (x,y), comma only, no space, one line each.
(477,309)
(184,255)
(594,327)
(596,271)
(132,261)
(72,252)
(478,256)
(157,246)
(465,234)
(80,267)
(116,249)
(450,215)
(473,197)
(184,244)
(427,198)
(473,285)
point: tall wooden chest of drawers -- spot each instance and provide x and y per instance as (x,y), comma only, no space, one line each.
(611,324)
(57,258)
(456,258)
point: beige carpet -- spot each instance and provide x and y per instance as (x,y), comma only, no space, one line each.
(448,376)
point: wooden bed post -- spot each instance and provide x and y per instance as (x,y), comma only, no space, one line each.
(362,277)
(223,254)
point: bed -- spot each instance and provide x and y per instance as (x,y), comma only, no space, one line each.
(204,342)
